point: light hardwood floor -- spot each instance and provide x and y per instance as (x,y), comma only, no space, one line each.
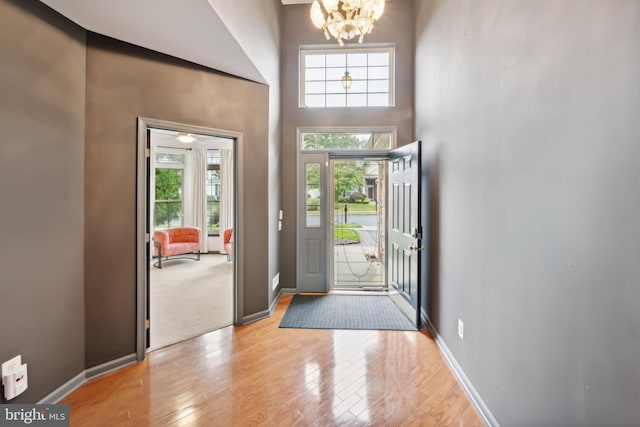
(261,375)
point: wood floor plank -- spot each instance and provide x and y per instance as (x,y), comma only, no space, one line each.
(261,375)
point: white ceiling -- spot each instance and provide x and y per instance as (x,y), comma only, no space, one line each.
(187,29)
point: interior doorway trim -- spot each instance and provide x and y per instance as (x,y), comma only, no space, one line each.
(142,191)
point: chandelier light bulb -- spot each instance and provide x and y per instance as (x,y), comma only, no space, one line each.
(330,5)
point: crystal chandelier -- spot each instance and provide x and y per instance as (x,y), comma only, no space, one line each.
(345,19)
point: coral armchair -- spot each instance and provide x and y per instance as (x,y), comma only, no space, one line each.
(227,237)
(176,241)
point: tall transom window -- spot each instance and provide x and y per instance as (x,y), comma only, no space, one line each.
(359,77)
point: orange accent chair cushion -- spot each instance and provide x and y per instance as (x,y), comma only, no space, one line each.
(177,241)
(227,239)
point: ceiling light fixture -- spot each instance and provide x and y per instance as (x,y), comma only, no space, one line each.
(345,19)
(186,138)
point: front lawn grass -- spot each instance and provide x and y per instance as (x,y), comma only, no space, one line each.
(356,208)
(342,232)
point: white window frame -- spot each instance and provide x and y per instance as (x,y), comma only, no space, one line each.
(213,233)
(391,130)
(170,151)
(164,165)
(304,50)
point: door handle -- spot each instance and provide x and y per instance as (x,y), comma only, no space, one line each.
(416,248)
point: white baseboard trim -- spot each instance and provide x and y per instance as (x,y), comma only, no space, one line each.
(111,366)
(64,390)
(467,385)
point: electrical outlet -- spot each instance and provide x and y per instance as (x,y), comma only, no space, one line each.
(461,329)
(14,377)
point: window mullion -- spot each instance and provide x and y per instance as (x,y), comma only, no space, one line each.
(367,73)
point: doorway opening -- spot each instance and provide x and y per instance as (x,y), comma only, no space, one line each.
(357,224)
(187,268)
(346,242)
(191,187)
(348,153)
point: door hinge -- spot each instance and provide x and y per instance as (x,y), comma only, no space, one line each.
(147,237)
(147,153)
(147,324)
(417,233)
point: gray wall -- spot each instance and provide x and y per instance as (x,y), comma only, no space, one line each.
(42,102)
(532,110)
(124,82)
(68,221)
(256,25)
(395,26)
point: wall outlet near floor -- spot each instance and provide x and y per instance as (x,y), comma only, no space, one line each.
(276,281)
(14,377)
(461,329)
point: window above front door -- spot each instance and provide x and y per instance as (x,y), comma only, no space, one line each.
(357,77)
(346,140)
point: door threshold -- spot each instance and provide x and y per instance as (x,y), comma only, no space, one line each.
(379,291)
(361,287)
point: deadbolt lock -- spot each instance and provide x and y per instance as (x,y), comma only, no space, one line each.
(416,248)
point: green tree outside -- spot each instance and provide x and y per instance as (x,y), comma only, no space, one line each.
(339,141)
(168,191)
(347,177)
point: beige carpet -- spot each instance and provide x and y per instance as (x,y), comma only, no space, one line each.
(190,298)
